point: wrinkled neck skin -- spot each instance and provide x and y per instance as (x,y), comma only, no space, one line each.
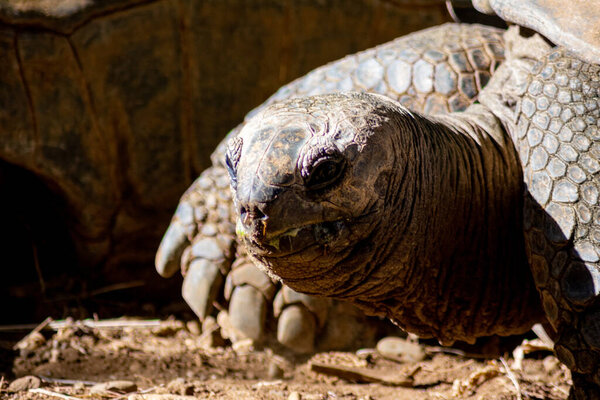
(455,224)
(446,257)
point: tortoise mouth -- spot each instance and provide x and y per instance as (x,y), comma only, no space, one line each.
(306,238)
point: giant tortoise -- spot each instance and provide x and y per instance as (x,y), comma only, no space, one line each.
(446,224)
(110,108)
(439,70)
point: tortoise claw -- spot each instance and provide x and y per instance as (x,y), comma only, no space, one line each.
(201,286)
(302,323)
(297,329)
(168,256)
(251,295)
(300,318)
(175,240)
(248,312)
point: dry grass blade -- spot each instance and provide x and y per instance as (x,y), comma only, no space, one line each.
(117,286)
(512,377)
(90,323)
(54,394)
(108,323)
(139,392)
(70,382)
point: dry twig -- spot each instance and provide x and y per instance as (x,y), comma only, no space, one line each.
(430,350)
(527,347)
(208,332)
(476,378)
(359,374)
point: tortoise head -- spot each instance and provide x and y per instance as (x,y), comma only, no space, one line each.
(310,178)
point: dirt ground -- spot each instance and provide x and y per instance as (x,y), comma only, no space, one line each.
(161,359)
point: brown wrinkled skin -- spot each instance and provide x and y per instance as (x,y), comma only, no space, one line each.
(424,225)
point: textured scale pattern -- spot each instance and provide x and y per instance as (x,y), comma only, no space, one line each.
(558,140)
(436,70)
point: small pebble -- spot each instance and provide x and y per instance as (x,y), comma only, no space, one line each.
(294,396)
(113,386)
(31,342)
(24,383)
(275,371)
(227,330)
(193,327)
(69,355)
(209,324)
(551,364)
(244,346)
(179,386)
(398,348)
(167,328)
(365,354)
(79,387)
(212,333)
(54,355)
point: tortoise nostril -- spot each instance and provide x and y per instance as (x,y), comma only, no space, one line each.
(258,214)
(250,214)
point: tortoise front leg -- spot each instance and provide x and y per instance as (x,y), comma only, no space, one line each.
(559,144)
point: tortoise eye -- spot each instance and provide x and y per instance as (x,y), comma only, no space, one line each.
(325,172)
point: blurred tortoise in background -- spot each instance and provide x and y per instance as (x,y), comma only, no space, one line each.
(110,108)
(571,24)
(445,224)
(438,70)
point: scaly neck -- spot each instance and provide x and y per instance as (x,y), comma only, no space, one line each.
(456,267)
